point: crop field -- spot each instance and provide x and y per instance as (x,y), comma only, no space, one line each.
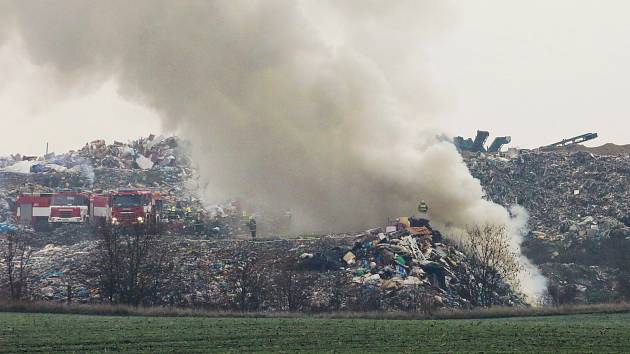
(87,333)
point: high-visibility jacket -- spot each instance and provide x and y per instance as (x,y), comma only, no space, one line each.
(423,207)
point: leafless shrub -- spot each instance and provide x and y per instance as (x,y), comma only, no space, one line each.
(130,266)
(492,265)
(292,289)
(246,283)
(15,255)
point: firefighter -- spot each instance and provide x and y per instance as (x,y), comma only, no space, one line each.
(179,209)
(172,212)
(423,207)
(252,227)
(189,217)
(422,218)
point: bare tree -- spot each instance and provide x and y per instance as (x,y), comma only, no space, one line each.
(15,254)
(291,286)
(335,286)
(109,263)
(493,263)
(130,265)
(247,283)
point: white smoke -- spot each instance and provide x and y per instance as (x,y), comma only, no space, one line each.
(87,171)
(320,107)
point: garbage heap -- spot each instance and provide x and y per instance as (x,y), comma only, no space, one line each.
(60,272)
(557,188)
(402,271)
(579,206)
(152,162)
(586,262)
(251,276)
(218,274)
(146,162)
(144,153)
(155,162)
(417,257)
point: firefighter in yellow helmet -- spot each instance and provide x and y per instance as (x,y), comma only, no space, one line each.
(423,207)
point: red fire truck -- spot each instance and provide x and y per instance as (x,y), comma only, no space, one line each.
(123,207)
(34,209)
(128,208)
(69,207)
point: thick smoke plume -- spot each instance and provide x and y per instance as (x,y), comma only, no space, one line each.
(319,107)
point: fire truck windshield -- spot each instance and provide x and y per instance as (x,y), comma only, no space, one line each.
(125,201)
(68,200)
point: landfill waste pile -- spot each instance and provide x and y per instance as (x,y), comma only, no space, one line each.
(59,272)
(557,187)
(396,258)
(579,204)
(405,270)
(390,268)
(156,162)
(577,201)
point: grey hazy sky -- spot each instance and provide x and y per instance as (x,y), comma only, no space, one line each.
(536,70)
(34,110)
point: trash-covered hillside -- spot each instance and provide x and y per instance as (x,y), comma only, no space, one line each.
(579,229)
(402,271)
(205,258)
(153,162)
(156,162)
(579,206)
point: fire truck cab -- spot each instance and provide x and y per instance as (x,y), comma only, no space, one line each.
(128,208)
(69,207)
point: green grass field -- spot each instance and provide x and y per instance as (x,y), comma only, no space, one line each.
(85,333)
